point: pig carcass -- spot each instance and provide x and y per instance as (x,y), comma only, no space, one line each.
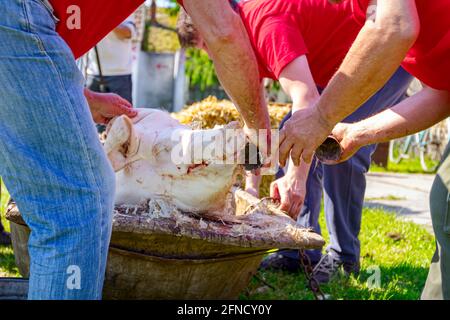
(156,157)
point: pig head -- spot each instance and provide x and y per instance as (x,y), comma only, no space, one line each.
(155,156)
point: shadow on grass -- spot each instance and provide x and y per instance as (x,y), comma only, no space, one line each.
(398,209)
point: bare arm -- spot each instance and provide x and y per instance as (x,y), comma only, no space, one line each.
(297,81)
(377,52)
(415,114)
(124,31)
(233,56)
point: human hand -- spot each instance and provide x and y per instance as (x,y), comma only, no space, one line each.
(302,135)
(347,136)
(290,191)
(105,106)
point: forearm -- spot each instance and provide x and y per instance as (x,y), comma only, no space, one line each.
(300,172)
(414,114)
(307,99)
(233,56)
(253,181)
(123,32)
(377,52)
(298,83)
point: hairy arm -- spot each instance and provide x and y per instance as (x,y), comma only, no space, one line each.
(414,114)
(233,56)
(377,52)
(124,31)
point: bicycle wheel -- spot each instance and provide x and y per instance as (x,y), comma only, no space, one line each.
(398,149)
(432,148)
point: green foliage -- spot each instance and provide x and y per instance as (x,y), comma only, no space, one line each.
(174,9)
(405,166)
(7,262)
(200,70)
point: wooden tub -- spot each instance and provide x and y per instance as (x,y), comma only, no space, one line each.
(185,256)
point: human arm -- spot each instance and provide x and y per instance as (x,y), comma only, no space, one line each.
(105,106)
(235,62)
(412,115)
(297,81)
(377,52)
(125,30)
(253,183)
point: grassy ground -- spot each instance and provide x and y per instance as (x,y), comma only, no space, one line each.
(7,264)
(400,250)
(405,166)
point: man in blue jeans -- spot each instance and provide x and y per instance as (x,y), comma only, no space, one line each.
(51,159)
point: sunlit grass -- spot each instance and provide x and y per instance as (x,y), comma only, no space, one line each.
(405,166)
(7,263)
(401,250)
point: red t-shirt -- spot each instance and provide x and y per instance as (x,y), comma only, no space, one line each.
(97,18)
(283,30)
(429,58)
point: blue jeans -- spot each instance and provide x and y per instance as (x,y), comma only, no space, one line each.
(50,156)
(343,186)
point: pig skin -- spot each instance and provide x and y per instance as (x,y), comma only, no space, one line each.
(140,152)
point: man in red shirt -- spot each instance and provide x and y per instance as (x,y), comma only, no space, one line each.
(50,157)
(298,43)
(415,34)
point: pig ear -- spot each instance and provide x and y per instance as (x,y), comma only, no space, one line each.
(121,143)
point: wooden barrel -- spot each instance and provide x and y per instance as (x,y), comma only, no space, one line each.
(134,275)
(182,256)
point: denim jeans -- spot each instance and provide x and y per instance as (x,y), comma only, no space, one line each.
(50,156)
(343,186)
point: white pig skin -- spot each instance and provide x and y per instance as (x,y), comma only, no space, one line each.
(140,151)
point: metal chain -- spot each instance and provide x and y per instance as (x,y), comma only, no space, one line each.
(312,281)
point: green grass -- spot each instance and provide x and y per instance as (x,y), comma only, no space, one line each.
(7,263)
(401,250)
(389,197)
(405,166)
